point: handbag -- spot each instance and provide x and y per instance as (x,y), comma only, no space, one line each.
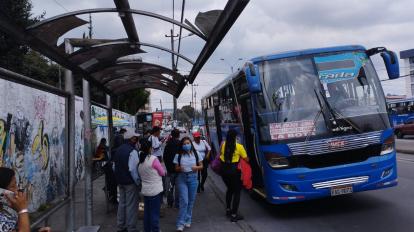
(216,165)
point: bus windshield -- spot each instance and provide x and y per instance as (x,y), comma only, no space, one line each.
(319,96)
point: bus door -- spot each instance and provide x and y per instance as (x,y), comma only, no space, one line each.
(247,120)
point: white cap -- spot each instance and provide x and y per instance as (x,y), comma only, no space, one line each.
(129,134)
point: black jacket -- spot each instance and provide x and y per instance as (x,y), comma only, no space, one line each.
(170,150)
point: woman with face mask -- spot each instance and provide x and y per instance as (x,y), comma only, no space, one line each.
(187,164)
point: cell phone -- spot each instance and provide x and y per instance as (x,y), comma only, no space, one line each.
(4,192)
(3,199)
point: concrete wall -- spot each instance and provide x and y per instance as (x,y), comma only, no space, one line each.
(32,141)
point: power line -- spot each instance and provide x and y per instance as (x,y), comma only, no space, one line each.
(61,5)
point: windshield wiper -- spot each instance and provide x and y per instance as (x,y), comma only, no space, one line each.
(315,120)
(334,114)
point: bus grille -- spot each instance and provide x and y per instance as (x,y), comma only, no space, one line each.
(336,158)
(340,182)
(321,146)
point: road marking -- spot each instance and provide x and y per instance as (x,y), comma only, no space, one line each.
(405,160)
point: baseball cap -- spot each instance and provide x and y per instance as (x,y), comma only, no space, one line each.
(196,134)
(130,134)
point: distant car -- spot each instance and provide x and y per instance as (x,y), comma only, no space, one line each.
(407,128)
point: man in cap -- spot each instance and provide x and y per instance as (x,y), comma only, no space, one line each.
(203,149)
(126,173)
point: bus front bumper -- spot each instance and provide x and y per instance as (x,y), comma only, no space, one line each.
(299,184)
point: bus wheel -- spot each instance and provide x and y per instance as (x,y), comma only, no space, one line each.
(399,134)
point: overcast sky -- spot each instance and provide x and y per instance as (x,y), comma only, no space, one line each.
(265,26)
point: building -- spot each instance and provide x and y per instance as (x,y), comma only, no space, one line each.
(408,57)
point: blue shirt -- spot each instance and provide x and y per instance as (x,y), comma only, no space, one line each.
(133,166)
(187,161)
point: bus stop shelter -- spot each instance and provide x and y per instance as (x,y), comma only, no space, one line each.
(97,62)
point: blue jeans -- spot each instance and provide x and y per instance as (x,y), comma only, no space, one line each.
(152,213)
(127,217)
(187,189)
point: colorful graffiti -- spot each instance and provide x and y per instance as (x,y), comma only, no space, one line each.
(32,141)
(79,144)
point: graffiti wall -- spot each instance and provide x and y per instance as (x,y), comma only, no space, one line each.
(79,144)
(99,130)
(32,141)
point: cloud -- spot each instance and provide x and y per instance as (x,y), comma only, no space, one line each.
(264,27)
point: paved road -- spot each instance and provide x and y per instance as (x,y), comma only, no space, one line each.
(382,210)
(406,144)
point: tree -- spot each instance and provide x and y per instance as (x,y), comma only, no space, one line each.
(12,54)
(131,101)
(189,110)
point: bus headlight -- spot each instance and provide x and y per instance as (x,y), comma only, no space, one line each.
(276,161)
(388,145)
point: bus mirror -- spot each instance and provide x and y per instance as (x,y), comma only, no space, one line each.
(391,64)
(252,76)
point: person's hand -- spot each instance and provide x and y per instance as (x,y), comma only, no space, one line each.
(18,201)
(45,229)
(195,168)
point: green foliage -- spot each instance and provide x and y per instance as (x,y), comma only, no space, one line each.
(131,101)
(12,54)
(188,110)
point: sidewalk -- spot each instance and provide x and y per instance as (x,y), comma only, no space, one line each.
(208,213)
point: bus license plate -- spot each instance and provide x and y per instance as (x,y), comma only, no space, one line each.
(341,190)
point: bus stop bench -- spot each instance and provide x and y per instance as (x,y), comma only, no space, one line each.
(89,229)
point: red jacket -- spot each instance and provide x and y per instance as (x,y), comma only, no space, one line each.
(246,173)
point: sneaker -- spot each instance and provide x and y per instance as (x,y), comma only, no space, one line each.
(180,228)
(187,225)
(236,217)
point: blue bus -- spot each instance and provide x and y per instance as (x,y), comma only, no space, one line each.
(314,122)
(400,110)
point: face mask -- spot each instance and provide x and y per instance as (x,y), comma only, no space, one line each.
(187,147)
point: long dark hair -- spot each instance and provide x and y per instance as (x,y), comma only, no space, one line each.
(145,150)
(230,145)
(6,176)
(181,150)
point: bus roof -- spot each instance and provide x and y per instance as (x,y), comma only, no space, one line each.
(221,84)
(400,100)
(307,52)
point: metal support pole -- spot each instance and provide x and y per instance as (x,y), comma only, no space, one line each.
(174,68)
(88,152)
(70,135)
(110,124)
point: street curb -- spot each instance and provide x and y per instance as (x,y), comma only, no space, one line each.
(411,152)
(244,226)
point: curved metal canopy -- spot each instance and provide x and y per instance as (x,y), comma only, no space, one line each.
(106,10)
(95,59)
(134,74)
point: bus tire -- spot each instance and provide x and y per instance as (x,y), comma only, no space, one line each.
(399,134)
